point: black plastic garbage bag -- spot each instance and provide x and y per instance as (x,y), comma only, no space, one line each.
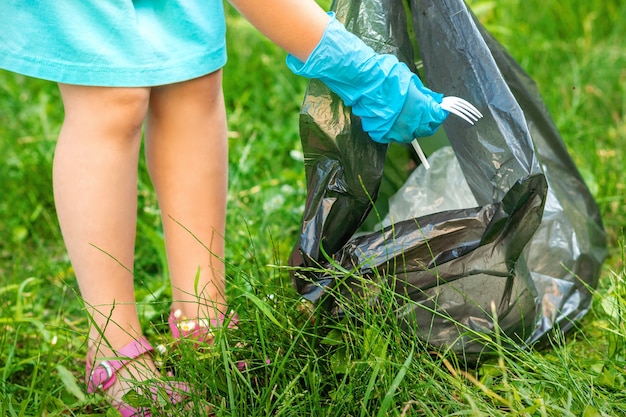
(531,248)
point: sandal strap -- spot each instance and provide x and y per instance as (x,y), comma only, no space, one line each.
(199,329)
(102,376)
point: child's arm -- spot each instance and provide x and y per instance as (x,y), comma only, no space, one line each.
(294,25)
(391,101)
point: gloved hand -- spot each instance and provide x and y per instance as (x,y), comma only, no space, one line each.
(420,116)
(391,101)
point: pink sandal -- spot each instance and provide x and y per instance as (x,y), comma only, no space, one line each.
(203,330)
(199,329)
(102,377)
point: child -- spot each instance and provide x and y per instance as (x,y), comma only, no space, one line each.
(125,63)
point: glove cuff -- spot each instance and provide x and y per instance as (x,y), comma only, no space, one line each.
(304,68)
(342,61)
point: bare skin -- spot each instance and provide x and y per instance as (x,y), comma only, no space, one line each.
(95,189)
(294,25)
(95,186)
(95,183)
(187,155)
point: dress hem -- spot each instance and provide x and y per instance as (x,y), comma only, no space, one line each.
(141,76)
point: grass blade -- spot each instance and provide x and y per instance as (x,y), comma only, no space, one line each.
(382,412)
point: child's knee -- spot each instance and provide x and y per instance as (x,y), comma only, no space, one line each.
(114,111)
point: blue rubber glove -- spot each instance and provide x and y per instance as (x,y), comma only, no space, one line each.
(391,101)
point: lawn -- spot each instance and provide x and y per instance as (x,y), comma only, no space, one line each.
(576,54)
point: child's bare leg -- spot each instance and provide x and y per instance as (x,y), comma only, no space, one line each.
(95,186)
(186,149)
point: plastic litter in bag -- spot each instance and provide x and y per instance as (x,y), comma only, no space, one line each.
(426,191)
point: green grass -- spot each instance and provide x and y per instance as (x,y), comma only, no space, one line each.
(369,367)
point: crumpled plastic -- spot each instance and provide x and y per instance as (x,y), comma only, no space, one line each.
(524,258)
(440,188)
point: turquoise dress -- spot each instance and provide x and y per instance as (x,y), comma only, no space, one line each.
(121,43)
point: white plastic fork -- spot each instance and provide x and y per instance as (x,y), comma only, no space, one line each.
(457,106)
(462,108)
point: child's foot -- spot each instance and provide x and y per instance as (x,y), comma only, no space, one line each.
(200,329)
(200,321)
(115,373)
